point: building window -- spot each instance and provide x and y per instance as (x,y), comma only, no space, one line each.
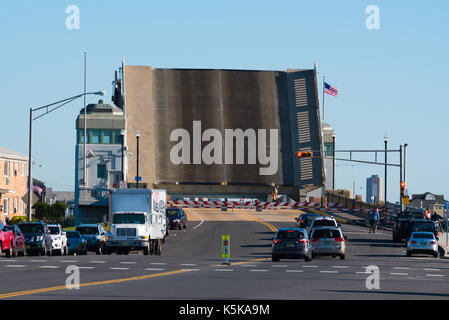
(96,136)
(107,137)
(21,206)
(6,206)
(329,149)
(23,169)
(6,169)
(101,171)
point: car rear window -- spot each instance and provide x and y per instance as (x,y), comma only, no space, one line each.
(423,236)
(290,234)
(324,223)
(326,233)
(424,226)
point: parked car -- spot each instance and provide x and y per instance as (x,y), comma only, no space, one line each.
(304,220)
(177,217)
(422,242)
(328,241)
(291,243)
(95,236)
(6,241)
(37,238)
(58,239)
(19,240)
(76,244)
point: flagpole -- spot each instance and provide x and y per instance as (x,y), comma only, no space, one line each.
(323,95)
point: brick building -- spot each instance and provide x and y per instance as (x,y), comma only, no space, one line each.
(13,183)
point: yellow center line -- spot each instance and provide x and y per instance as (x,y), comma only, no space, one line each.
(88,284)
(269,225)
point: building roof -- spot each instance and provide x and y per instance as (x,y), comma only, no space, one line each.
(424,196)
(10,154)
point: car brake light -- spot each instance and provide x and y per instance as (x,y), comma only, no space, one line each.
(339,239)
(315,240)
(437,234)
(276,241)
(302,241)
(433,242)
(290,230)
(302,221)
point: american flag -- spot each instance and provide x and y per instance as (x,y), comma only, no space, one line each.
(38,189)
(330,89)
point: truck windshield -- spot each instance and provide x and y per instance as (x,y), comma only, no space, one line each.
(128,218)
(54,230)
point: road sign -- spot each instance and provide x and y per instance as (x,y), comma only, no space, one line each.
(225,247)
(140,178)
(405,200)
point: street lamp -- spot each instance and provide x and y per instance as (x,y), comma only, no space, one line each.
(333,161)
(137,138)
(122,134)
(30,138)
(386,144)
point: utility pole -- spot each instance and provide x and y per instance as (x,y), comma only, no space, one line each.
(386,145)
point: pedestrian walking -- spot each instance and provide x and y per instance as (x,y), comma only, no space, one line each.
(374,220)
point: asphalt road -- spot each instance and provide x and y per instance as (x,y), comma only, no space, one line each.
(190,267)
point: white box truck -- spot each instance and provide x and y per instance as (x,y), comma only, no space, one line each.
(138,221)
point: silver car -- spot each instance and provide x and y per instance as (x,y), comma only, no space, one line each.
(328,241)
(422,242)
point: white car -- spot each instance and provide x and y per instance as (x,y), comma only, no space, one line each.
(322,222)
(422,242)
(58,239)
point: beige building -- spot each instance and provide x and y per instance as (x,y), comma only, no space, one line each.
(13,183)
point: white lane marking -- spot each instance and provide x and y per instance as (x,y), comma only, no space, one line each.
(398,274)
(429,269)
(279,266)
(68,261)
(119,268)
(158,263)
(200,222)
(38,260)
(49,267)
(249,265)
(341,267)
(362,272)
(128,262)
(223,270)
(188,264)
(434,275)
(310,266)
(15,266)
(401,268)
(154,269)
(97,261)
(258,270)
(9,260)
(88,268)
(294,270)
(326,271)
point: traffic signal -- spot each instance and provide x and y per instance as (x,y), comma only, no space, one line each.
(304,154)
(402,188)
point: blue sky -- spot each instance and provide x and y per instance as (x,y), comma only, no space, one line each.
(393,80)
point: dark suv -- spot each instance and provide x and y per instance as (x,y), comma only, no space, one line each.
(177,218)
(402,227)
(95,236)
(424,225)
(37,238)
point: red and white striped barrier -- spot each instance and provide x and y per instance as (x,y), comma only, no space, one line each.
(242,204)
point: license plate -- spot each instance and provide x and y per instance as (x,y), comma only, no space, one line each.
(28,246)
(290,245)
(423,243)
(125,243)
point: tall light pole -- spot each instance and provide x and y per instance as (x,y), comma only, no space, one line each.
(137,138)
(30,141)
(333,161)
(386,145)
(122,134)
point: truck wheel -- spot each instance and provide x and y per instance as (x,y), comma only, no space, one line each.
(152,247)
(159,247)
(9,251)
(146,250)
